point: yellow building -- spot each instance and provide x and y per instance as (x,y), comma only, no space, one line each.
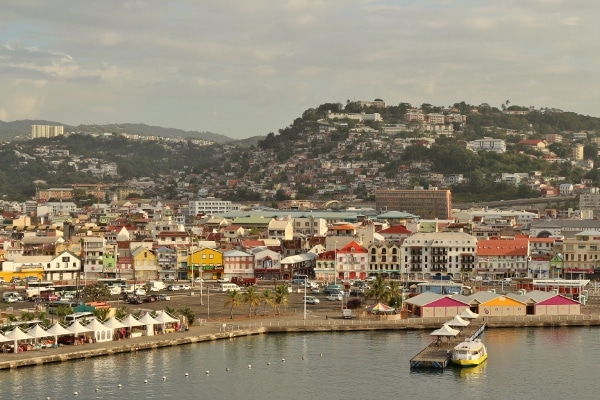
(144,264)
(206,263)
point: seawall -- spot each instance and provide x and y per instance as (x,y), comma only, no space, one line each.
(218,331)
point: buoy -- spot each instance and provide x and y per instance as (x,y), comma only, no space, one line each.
(207,372)
(75,393)
(268,363)
(145,380)
(164,378)
(97,389)
(226,369)
(283,359)
(321,354)
(186,374)
(120,385)
(249,366)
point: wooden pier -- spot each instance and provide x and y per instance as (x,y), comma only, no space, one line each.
(438,353)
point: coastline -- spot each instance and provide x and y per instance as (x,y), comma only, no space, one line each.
(285,324)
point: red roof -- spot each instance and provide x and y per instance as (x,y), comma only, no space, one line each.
(352,247)
(397,230)
(503,247)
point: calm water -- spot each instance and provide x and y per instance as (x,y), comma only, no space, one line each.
(556,363)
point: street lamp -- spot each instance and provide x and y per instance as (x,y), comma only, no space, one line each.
(335,263)
(305,281)
(208,301)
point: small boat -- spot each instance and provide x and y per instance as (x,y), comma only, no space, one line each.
(469,353)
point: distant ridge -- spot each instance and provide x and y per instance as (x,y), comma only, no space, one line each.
(22,128)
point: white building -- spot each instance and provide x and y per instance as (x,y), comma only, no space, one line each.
(487,144)
(212,206)
(46,131)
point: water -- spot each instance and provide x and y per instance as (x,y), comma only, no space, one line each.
(523,363)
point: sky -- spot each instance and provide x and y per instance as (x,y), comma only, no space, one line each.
(244,68)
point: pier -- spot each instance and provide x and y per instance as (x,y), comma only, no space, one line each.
(438,353)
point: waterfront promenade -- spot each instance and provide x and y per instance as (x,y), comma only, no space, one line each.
(225,329)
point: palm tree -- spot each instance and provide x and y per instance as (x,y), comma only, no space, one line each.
(26,316)
(62,311)
(188,315)
(378,289)
(267,298)
(233,300)
(280,298)
(102,314)
(252,297)
(121,313)
(394,294)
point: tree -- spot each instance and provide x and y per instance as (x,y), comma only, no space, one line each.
(252,297)
(233,300)
(280,298)
(97,292)
(121,312)
(378,289)
(102,313)
(266,298)
(188,315)
(394,294)
(62,311)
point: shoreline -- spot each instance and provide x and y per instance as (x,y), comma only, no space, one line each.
(224,330)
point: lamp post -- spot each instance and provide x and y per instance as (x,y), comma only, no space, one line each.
(207,300)
(335,263)
(305,280)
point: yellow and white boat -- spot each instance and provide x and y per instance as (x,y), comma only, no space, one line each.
(469,353)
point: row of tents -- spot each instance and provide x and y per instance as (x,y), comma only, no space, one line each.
(103,331)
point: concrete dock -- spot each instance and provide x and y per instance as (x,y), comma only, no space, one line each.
(438,354)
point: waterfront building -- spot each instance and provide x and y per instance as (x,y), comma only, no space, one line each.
(581,254)
(239,264)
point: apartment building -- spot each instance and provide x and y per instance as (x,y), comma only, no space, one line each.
(425,203)
(425,255)
(501,258)
(46,131)
(211,206)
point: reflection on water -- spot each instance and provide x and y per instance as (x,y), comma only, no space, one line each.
(524,363)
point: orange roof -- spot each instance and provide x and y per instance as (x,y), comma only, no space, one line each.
(503,247)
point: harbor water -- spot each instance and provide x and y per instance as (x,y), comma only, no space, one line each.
(528,363)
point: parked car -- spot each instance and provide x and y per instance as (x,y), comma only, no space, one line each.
(315,290)
(174,287)
(185,287)
(334,296)
(150,299)
(2,281)
(163,297)
(311,300)
(139,292)
(198,280)
(134,300)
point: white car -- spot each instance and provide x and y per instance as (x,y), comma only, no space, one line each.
(174,287)
(334,297)
(311,300)
(185,287)
(139,292)
(198,280)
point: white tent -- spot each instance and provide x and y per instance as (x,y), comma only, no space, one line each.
(149,321)
(445,330)
(102,333)
(16,335)
(77,328)
(114,323)
(468,314)
(457,321)
(130,321)
(57,330)
(165,318)
(38,332)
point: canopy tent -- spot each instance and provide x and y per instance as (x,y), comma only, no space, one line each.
(114,323)
(457,321)
(445,330)
(164,317)
(380,308)
(16,335)
(468,314)
(4,338)
(130,321)
(102,333)
(57,330)
(38,332)
(77,328)
(149,321)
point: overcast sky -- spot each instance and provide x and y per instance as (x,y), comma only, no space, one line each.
(249,67)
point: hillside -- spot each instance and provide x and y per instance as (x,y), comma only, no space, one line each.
(20,130)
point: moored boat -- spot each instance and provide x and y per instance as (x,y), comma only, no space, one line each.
(469,353)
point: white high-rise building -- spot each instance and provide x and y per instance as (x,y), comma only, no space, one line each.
(46,131)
